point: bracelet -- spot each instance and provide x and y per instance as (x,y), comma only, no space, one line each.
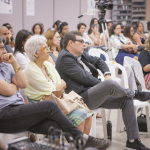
(17,69)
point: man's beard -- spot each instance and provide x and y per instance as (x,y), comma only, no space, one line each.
(7,41)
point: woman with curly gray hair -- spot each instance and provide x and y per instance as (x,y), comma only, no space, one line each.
(144,60)
(43,79)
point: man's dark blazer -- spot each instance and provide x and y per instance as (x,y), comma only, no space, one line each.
(73,73)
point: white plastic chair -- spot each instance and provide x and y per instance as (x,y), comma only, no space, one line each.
(7,138)
(112,67)
(97,52)
(130,62)
(93,127)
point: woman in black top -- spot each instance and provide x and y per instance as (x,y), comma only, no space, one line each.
(144,60)
(128,33)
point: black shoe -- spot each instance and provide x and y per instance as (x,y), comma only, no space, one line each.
(100,144)
(142,96)
(136,145)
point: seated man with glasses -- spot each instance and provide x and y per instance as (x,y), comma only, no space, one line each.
(79,71)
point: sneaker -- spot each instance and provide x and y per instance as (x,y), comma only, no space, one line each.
(100,144)
(142,96)
(136,145)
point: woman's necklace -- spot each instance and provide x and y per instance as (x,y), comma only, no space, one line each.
(141,35)
(49,75)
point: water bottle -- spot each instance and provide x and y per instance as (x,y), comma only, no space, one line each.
(109,130)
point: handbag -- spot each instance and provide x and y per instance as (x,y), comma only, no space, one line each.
(68,102)
(142,123)
(128,50)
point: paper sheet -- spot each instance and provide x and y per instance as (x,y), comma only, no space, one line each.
(5,6)
(30,8)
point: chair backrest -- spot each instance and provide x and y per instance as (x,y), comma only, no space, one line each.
(112,67)
(135,73)
(97,52)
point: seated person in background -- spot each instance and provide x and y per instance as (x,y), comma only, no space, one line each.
(15,116)
(37,29)
(139,37)
(144,60)
(120,44)
(128,33)
(95,35)
(109,25)
(53,42)
(11,38)
(82,27)
(6,25)
(19,52)
(79,71)
(5,34)
(43,79)
(93,21)
(56,24)
(62,29)
(148,27)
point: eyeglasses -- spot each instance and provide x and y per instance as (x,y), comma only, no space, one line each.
(57,37)
(45,49)
(81,41)
(2,48)
(132,30)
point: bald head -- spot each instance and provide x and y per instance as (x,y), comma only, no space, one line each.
(4,33)
(2,28)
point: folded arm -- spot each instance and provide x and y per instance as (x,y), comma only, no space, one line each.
(7,89)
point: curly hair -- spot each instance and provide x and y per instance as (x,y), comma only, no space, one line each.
(147,44)
(49,36)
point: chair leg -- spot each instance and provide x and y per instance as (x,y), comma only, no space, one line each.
(104,124)
(93,127)
(148,120)
(108,116)
(119,121)
(135,109)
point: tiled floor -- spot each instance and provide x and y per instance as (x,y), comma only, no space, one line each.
(118,139)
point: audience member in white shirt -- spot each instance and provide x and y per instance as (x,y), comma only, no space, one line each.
(82,27)
(19,53)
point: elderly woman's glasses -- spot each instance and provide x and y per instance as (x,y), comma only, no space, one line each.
(57,37)
(45,49)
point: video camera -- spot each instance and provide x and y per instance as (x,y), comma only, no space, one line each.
(102,5)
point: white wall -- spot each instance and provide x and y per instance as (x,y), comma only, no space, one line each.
(47,12)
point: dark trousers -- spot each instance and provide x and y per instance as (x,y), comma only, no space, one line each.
(111,95)
(36,118)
